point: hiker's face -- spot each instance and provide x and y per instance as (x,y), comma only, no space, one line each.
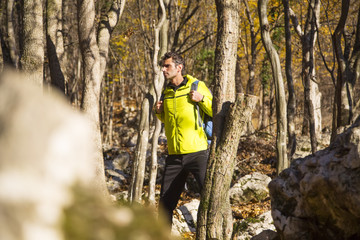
(170,70)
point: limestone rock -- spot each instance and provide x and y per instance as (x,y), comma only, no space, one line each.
(252,187)
(187,214)
(261,227)
(318,197)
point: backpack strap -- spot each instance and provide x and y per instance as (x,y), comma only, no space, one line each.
(194,86)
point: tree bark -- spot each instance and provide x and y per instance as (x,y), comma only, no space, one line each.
(348,71)
(92,81)
(55,43)
(282,161)
(72,58)
(265,95)
(252,61)
(312,95)
(311,90)
(11,36)
(215,207)
(107,25)
(138,168)
(160,48)
(32,52)
(94,54)
(214,216)
(291,107)
(156,91)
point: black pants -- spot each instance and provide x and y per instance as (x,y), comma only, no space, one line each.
(177,168)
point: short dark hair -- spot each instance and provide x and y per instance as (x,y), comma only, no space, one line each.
(177,59)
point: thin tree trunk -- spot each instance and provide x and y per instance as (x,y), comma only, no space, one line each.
(160,47)
(348,71)
(266,96)
(138,168)
(291,107)
(311,91)
(32,54)
(312,95)
(72,56)
(251,66)
(55,43)
(282,161)
(107,25)
(10,30)
(109,132)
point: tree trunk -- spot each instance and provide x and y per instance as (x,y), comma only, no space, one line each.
(291,107)
(92,81)
(160,46)
(10,33)
(55,43)
(251,63)
(72,58)
(214,216)
(312,95)
(266,95)
(215,207)
(94,62)
(282,161)
(107,25)
(348,71)
(32,52)
(250,88)
(138,168)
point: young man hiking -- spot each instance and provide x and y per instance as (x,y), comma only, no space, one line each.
(186,139)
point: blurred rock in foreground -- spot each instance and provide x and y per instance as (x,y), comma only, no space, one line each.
(318,197)
(47,174)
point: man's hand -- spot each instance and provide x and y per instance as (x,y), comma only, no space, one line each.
(159,107)
(195,96)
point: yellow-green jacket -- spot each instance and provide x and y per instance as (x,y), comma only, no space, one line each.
(182,130)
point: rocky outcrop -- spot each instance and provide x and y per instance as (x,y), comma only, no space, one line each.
(318,197)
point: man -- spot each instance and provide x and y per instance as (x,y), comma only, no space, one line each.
(186,139)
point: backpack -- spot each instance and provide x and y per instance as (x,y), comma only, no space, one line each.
(207,124)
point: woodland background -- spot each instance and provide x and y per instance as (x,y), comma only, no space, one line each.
(103,56)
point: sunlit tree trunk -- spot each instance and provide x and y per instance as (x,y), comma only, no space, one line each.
(265,95)
(107,24)
(312,95)
(291,107)
(160,48)
(32,52)
(282,160)
(146,113)
(93,71)
(250,87)
(214,216)
(138,168)
(92,80)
